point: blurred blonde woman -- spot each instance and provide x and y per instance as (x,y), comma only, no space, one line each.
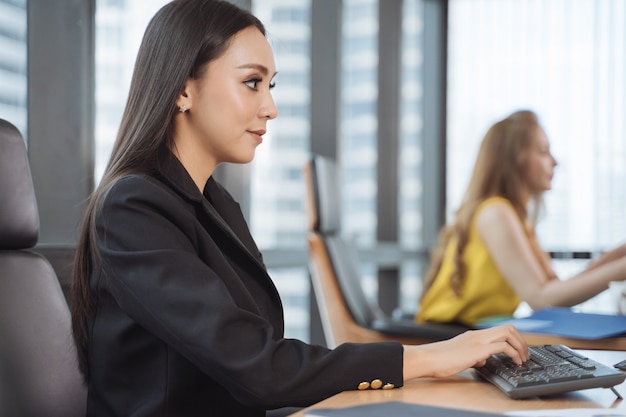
(488,259)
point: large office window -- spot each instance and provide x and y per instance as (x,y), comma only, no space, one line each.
(13,76)
(411,123)
(563,58)
(119,29)
(358,127)
(277,186)
(359,123)
(277,210)
(566,60)
(410,156)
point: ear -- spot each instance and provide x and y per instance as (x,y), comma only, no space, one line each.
(185,97)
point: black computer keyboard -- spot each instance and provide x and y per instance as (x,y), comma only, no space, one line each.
(551,369)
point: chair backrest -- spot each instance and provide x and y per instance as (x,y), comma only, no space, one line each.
(346,313)
(325,220)
(39,374)
(323,195)
(338,322)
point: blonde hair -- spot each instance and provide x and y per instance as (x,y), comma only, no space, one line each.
(498,171)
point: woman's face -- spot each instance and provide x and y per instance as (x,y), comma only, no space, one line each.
(230,104)
(539,163)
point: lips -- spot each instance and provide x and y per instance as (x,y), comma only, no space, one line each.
(258,134)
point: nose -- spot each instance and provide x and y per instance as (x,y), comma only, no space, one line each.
(268,108)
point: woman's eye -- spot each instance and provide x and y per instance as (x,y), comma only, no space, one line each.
(252,83)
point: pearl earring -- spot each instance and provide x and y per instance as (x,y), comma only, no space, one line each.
(182,108)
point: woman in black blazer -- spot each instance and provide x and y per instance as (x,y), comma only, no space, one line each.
(174,313)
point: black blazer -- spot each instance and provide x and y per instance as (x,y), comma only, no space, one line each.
(187,321)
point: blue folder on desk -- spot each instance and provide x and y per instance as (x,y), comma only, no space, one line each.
(564,322)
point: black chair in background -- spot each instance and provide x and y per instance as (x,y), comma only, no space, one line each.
(347,315)
(39,376)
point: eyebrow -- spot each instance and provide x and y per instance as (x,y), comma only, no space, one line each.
(259,67)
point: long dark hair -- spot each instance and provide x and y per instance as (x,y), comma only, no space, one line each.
(179,42)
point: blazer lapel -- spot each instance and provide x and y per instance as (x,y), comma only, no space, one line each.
(218,205)
(225,212)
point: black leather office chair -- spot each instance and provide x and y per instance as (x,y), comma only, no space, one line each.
(39,376)
(347,315)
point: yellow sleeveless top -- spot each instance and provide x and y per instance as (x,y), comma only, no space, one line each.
(485,291)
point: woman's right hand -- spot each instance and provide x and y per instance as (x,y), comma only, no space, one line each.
(467,350)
